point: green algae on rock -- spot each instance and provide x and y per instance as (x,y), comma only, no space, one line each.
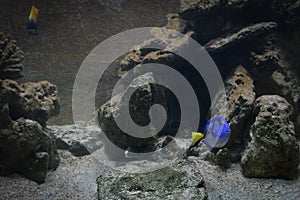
(181,180)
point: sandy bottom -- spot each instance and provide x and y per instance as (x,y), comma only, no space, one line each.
(75,178)
(231,184)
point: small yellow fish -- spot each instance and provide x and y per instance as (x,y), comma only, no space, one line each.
(34,13)
(32,19)
(197,136)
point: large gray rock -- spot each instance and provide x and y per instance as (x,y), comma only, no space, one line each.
(199,14)
(145,94)
(26,149)
(202,16)
(168,44)
(247,36)
(164,42)
(283,9)
(240,101)
(11,57)
(213,18)
(36,101)
(181,180)
(289,86)
(273,151)
(275,74)
(79,139)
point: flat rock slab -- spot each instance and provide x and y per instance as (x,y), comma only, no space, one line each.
(182,180)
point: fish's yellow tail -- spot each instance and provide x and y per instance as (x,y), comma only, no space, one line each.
(197,136)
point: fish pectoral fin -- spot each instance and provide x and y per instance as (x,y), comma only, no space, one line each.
(197,136)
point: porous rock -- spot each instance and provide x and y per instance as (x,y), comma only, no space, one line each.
(273,151)
(247,36)
(274,74)
(164,43)
(11,57)
(144,96)
(178,24)
(26,149)
(213,18)
(36,101)
(240,97)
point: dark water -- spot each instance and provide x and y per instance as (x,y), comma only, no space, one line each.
(69,30)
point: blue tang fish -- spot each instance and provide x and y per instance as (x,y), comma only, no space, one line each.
(216,131)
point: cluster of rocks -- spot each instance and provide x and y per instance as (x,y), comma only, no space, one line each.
(246,33)
(262,86)
(262,91)
(25,146)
